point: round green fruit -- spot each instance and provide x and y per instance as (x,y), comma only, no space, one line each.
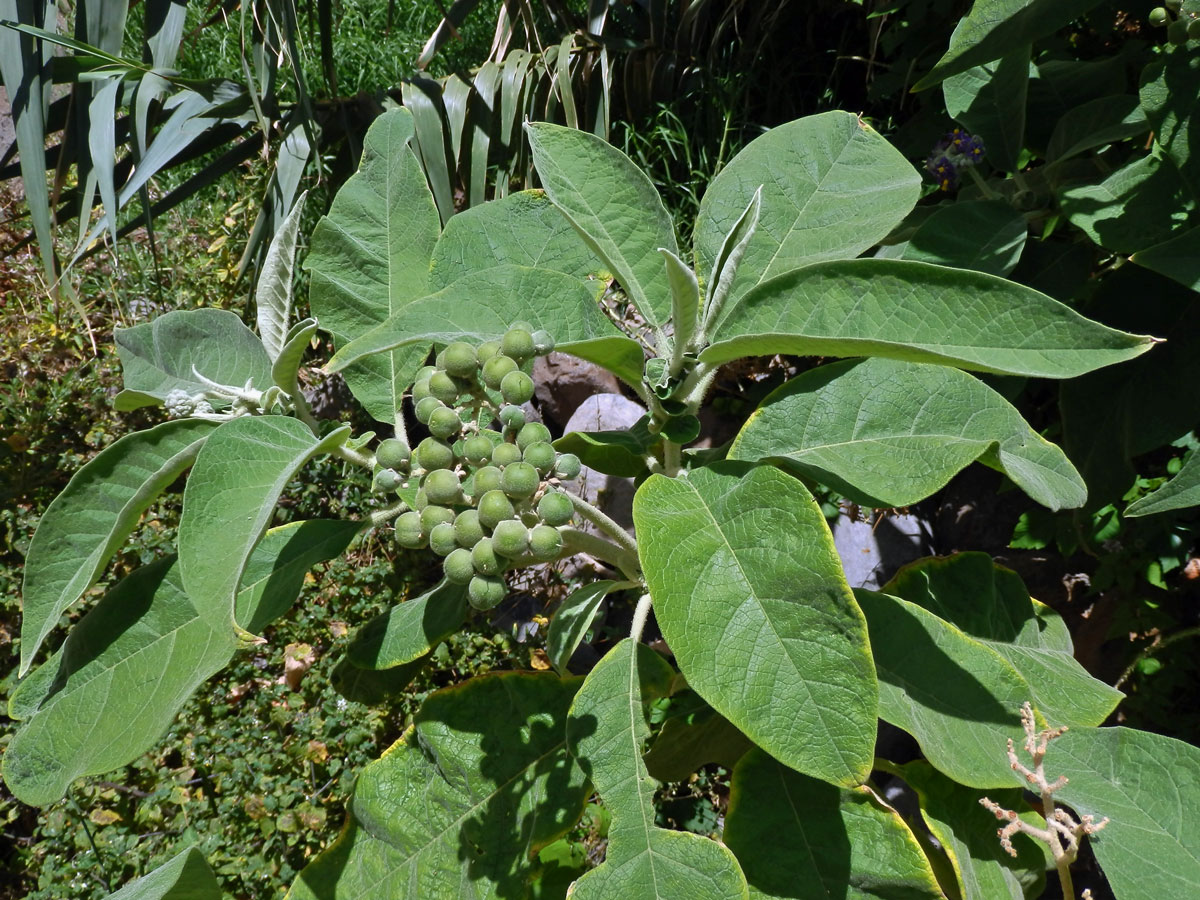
(441,539)
(432,516)
(533,433)
(486,351)
(477,450)
(520,480)
(460,359)
(516,388)
(517,344)
(393,453)
(409,532)
(467,529)
(496,369)
(1173,5)
(568,466)
(443,387)
(510,538)
(541,456)
(442,487)
(444,423)
(434,454)
(421,501)
(505,454)
(420,390)
(512,417)
(486,592)
(543,342)
(386,480)
(494,507)
(483,557)
(486,479)
(555,508)
(426,407)
(458,566)
(545,543)
(1158,17)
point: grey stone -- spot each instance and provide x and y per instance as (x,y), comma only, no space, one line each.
(563,382)
(873,549)
(605,412)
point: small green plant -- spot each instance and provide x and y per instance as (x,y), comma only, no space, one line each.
(791,671)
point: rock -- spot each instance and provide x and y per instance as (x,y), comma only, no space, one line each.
(873,549)
(605,412)
(563,382)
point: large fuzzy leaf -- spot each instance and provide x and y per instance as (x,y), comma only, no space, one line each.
(920,313)
(1175,258)
(369,257)
(989,101)
(273,293)
(1169,86)
(751,598)
(891,433)
(411,629)
(983,235)
(99,508)
(183,877)
(1180,492)
(831,187)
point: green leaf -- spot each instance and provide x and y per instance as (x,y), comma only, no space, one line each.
(1105,120)
(101,505)
(287,365)
(831,187)
(614,207)
(164,355)
(1139,205)
(1169,87)
(183,877)
(983,235)
(375,687)
(989,101)
(1149,787)
(619,453)
(1181,492)
(890,433)
(751,598)
(607,729)
(725,266)
(687,742)
(483,305)
(411,629)
(915,311)
(957,696)
(994,28)
(522,229)
(685,301)
(967,832)
(992,605)
(1175,258)
(230,499)
(370,258)
(573,618)
(797,837)
(273,293)
(457,807)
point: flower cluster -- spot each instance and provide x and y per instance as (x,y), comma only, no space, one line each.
(954,152)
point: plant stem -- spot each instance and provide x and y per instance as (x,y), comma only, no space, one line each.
(357,457)
(620,536)
(401,429)
(304,412)
(671,458)
(1155,647)
(603,550)
(385,514)
(640,613)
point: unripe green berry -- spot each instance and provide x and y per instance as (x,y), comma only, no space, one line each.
(521,325)
(460,359)
(510,538)
(421,501)
(517,388)
(512,417)
(541,456)
(505,454)
(568,466)
(442,487)
(432,516)
(467,529)
(409,532)
(425,408)
(494,507)
(520,480)
(532,433)
(1177,32)
(420,390)
(555,508)
(543,342)
(1173,5)
(483,557)
(486,351)
(486,479)
(477,450)
(444,423)
(443,387)
(486,592)
(458,566)
(441,539)
(545,543)
(393,453)
(496,369)
(386,480)
(425,372)
(1158,17)
(434,454)
(517,344)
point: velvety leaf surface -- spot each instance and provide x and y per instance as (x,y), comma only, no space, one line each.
(619,453)
(183,877)
(802,839)
(750,596)
(994,27)
(273,293)
(374,687)
(958,697)
(230,499)
(920,313)
(482,306)
(967,832)
(989,101)
(990,603)
(615,208)
(607,731)
(831,187)
(99,508)
(159,357)
(687,742)
(1180,492)
(1176,258)
(286,367)
(522,229)
(983,235)
(1149,786)
(890,433)
(1105,120)
(573,618)
(409,629)
(458,805)
(370,256)
(1168,91)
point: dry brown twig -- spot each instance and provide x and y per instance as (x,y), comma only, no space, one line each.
(1062,833)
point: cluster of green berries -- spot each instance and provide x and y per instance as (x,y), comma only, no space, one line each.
(1179,30)
(488,493)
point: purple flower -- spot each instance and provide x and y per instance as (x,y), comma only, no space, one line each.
(956,150)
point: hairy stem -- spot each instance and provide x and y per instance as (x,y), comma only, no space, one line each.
(366,460)
(640,613)
(603,550)
(385,514)
(671,458)
(620,536)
